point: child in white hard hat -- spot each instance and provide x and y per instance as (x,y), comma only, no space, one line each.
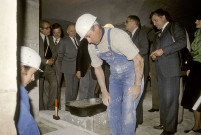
(29,64)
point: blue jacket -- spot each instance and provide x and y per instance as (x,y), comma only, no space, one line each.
(26,124)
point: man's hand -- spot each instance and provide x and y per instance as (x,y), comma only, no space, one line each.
(106,97)
(50,62)
(78,74)
(187,72)
(156,53)
(135,89)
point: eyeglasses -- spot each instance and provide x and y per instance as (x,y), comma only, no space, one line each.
(47,27)
(129,21)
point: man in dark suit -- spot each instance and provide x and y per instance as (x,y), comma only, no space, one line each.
(139,37)
(85,72)
(167,63)
(57,34)
(47,53)
(67,55)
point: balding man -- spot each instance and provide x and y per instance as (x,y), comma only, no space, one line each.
(67,55)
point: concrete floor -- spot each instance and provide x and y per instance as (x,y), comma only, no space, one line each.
(48,126)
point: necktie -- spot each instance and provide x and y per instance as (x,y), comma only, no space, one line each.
(75,43)
(45,46)
(159,33)
(47,51)
(55,42)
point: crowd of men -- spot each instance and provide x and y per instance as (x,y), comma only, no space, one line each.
(133,57)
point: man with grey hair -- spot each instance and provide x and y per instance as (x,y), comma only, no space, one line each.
(67,54)
(126,65)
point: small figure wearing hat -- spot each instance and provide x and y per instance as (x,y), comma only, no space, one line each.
(29,64)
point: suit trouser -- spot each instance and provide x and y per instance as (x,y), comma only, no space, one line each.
(48,91)
(87,86)
(71,87)
(168,101)
(154,87)
(181,108)
(59,80)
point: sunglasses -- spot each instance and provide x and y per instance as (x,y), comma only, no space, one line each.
(47,27)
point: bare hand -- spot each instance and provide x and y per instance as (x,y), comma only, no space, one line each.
(187,72)
(50,62)
(150,74)
(106,97)
(78,74)
(156,53)
(135,89)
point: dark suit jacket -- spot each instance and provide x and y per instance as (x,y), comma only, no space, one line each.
(169,63)
(141,41)
(43,65)
(83,59)
(57,66)
(67,55)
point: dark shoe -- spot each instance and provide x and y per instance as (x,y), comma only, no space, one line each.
(188,131)
(153,110)
(158,127)
(167,133)
(198,131)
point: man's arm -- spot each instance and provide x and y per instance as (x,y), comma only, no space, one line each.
(139,67)
(78,61)
(101,80)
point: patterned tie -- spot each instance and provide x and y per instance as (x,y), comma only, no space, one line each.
(75,43)
(55,42)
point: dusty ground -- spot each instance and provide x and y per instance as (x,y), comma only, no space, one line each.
(150,120)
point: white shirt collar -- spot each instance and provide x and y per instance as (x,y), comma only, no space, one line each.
(164,26)
(54,39)
(73,41)
(43,37)
(134,31)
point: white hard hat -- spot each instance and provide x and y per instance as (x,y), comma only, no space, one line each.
(29,57)
(83,24)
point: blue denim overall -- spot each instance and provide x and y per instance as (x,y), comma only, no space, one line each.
(122,108)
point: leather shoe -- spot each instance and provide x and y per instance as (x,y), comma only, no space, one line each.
(167,133)
(188,131)
(158,127)
(153,110)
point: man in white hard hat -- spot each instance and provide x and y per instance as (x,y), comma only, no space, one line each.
(126,65)
(29,64)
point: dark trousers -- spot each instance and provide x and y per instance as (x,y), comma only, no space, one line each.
(71,87)
(59,81)
(168,101)
(87,86)
(47,91)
